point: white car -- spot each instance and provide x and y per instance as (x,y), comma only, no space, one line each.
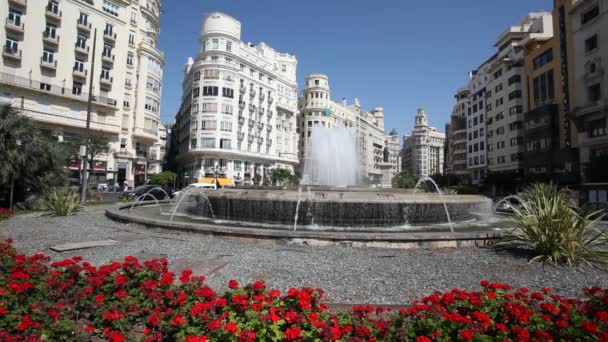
(204,186)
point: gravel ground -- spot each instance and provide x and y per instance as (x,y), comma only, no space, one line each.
(348,275)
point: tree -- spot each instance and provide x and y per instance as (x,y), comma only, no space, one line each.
(165,178)
(404,180)
(281,177)
(25,153)
(98,144)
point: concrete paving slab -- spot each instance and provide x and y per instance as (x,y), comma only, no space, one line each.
(70,246)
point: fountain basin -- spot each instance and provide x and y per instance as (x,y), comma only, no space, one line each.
(347,207)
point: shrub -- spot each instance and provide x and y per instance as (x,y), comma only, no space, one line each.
(547,223)
(165,178)
(73,300)
(60,203)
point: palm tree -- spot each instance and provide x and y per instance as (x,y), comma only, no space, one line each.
(21,147)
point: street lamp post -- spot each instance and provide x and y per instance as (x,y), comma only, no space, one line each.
(11,207)
(84,149)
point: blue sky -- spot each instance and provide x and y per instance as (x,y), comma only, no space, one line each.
(397,54)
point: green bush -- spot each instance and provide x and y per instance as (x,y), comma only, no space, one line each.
(404,180)
(62,203)
(549,224)
(166,178)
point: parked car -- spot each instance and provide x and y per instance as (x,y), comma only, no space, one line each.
(506,206)
(159,192)
(204,186)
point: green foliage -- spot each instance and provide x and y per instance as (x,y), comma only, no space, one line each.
(282,177)
(62,203)
(547,223)
(165,178)
(595,170)
(404,180)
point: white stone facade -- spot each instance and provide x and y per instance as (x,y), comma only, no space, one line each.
(423,150)
(590,39)
(45,69)
(239,107)
(319,110)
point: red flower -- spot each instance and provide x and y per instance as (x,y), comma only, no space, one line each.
(99,298)
(589,327)
(3,311)
(362,331)
(247,336)
(196,339)
(231,327)
(115,336)
(233,284)
(292,333)
(466,335)
(120,279)
(423,339)
(178,320)
(562,324)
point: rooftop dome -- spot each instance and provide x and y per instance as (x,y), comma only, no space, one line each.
(393,132)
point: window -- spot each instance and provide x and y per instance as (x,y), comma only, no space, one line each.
(48,56)
(130,58)
(590,14)
(110,7)
(196,92)
(228,92)
(227,108)
(194,109)
(498,88)
(45,86)
(150,125)
(216,43)
(208,143)
(83,19)
(50,31)
(11,46)
(79,65)
(76,88)
(498,73)
(499,102)
(211,74)
(543,88)
(229,46)
(543,59)
(131,39)
(591,43)
(224,144)
(209,108)
(597,128)
(105,72)
(514,79)
(515,94)
(134,17)
(226,126)
(109,29)
(151,105)
(14,16)
(594,92)
(81,41)
(283,67)
(208,125)
(53,7)
(210,91)
(515,110)
(107,50)
(481,146)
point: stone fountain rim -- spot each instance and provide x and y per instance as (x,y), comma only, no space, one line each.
(357,239)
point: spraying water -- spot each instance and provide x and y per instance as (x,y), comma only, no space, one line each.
(422,180)
(331,158)
(295,219)
(185,195)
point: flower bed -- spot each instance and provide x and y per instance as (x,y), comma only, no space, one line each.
(73,300)
(6,213)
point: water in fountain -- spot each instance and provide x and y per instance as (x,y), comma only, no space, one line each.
(332,158)
(144,196)
(185,195)
(424,179)
(295,218)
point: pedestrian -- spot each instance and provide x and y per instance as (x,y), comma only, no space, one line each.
(126,185)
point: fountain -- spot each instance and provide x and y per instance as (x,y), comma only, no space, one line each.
(432,181)
(332,158)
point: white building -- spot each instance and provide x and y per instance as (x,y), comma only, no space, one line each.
(456,137)
(319,110)
(46,70)
(238,114)
(423,149)
(590,46)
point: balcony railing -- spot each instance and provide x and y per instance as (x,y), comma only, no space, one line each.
(14,25)
(55,89)
(106,81)
(50,38)
(10,52)
(108,58)
(80,72)
(20,3)
(53,13)
(49,64)
(81,49)
(270,99)
(262,97)
(83,26)
(109,36)
(243,90)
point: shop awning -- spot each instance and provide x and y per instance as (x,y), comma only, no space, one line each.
(206,180)
(225,182)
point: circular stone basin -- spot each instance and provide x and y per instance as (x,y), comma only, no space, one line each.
(334,207)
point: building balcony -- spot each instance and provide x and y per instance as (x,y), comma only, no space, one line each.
(268,142)
(53,13)
(106,82)
(128,85)
(51,39)
(108,58)
(262,97)
(251,123)
(270,113)
(240,135)
(109,37)
(82,50)
(270,99)
(18,3)
(250,138)
(80,73)
(260,126)
(260,140)
(242,90)
(48,64)
(82,26)
(269,128)
(251,108)
(252,93)
(241,105)
(14,26)
(241,120)
(11,53)
(261,111)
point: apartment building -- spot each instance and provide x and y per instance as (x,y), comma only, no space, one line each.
(456,137)
(237,120)
(423,150)
(319,110)
(590,44)
(550,137)
(46,68)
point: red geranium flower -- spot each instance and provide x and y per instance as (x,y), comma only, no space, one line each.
(589,327)
(231,327)
(292,333)
(233,284)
